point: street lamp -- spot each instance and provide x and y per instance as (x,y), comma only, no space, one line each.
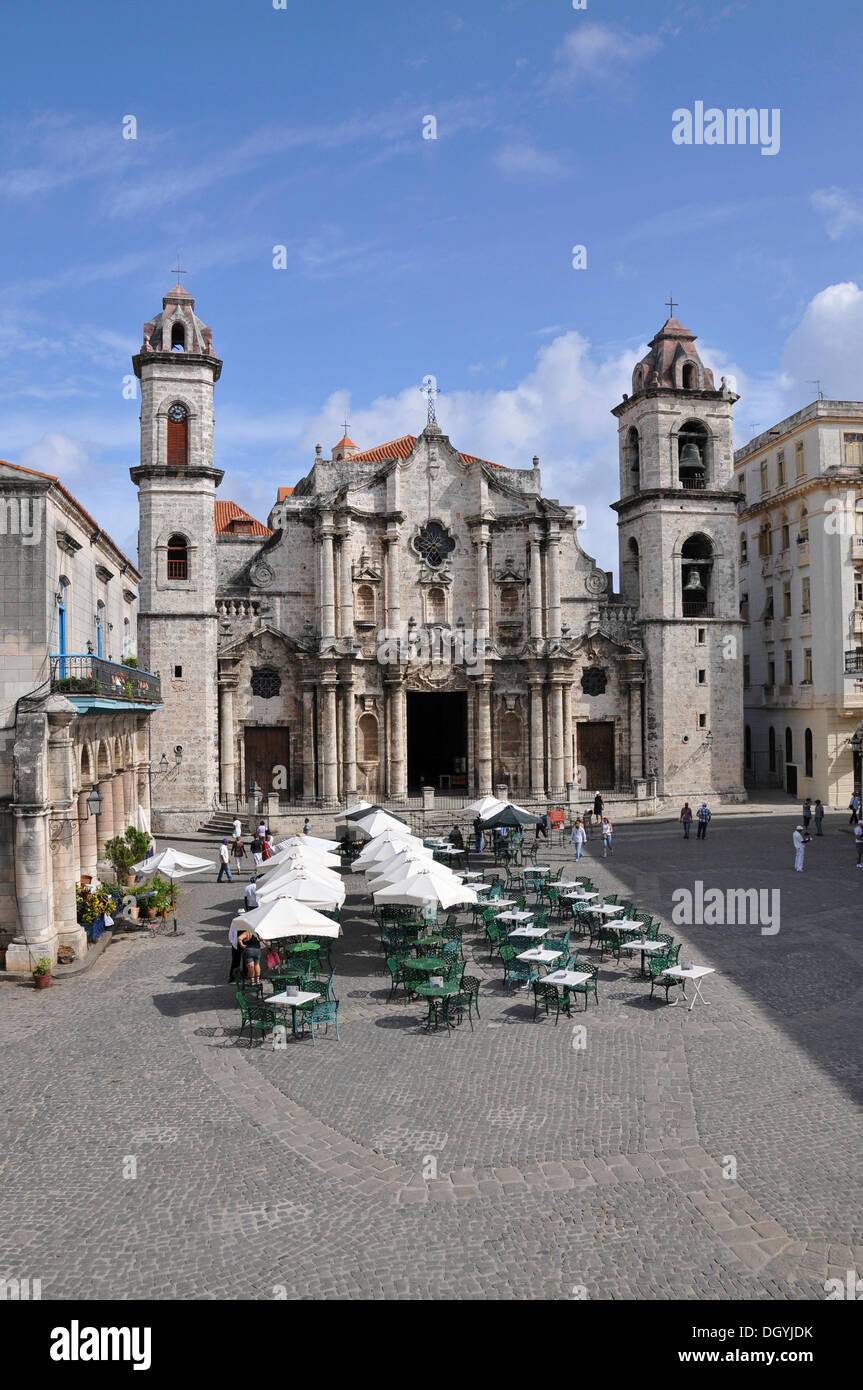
(163,763)
(94,802)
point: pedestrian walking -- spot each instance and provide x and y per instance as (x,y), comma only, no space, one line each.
(238,828)
(858,841)
(686,819)
(606,837)
(578,836)
(225,866)
(307,826)
(258,851)
(854,808)
(703,814)
(267,850)
(239,853)
(597,807)
(806,808)
(542,826)
(262,830)
(818,816)
(456,838)
(250,894)
(478,835)
(800,840)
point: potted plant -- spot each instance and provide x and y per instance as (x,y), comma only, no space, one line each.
(139,843)
(122,856)
(42,973)
(130,661)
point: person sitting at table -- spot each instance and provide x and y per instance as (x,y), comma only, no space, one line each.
(455,838)
(250,946)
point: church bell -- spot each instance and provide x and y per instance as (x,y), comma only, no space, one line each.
(693,581)
(691,457)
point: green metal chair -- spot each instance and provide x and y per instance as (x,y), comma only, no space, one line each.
(656,966)
(470,988)
(255,1016)
(550,997)
(587,986)
(321,1011)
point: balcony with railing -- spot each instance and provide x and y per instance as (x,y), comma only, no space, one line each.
(853,663)
(697,608)
(91,683)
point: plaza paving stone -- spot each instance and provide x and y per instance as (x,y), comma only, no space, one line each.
(299,1172)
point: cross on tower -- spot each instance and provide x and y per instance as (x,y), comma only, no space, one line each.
(670,304)
(430,389)
(179,270)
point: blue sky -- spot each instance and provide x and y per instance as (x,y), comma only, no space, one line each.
(303,127)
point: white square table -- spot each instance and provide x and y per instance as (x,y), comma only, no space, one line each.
(607,909)
(533,869)
(562,883)
(646,947)
(580,897)
(541,954)
(629,925)
(696,974)
(501,902)
(294,1001)
(514,916)
(567,977)
(537,932)
(468,874)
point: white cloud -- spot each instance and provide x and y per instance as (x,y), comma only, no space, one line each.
(841,211)
(828,344)
(596,51)
(57,454)
(520,157)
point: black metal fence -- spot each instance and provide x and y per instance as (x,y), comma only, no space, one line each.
(90,675)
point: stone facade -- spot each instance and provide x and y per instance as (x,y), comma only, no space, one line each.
(800,551)
(73,716)
(413,616)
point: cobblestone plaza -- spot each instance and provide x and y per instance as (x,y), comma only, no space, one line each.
(563,1171)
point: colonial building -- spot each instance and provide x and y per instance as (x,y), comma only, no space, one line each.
(73,716)
(801,578)
(412,615)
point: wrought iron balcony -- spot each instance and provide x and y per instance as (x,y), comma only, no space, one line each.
(697,608)
(694,482)
(853,663)
(85,676)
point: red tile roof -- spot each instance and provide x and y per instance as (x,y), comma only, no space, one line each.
(228,513)
(345,444)
(285,492)
(400,448)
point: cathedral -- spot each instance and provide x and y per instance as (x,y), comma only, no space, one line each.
(412,617)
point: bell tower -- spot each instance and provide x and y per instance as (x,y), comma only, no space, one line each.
(677,534)
(177,622)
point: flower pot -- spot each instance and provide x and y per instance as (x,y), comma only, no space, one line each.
(41,981)
(133,913)
(152,914)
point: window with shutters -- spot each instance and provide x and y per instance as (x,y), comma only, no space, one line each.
(178,436)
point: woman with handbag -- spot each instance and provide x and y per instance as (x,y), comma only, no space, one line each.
(250,946)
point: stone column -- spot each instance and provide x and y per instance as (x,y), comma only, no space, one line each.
(536,626)
(308,742)
(87,835)
(116,785)
(227,738)
(556,749)
(483,608)
(36,936)
(398,740)
(553,557)
(62,841)
(346,597)
(537,737)
(471,736)
(636,760)
(349,744)
(130,805)
(143,772)
(483,736)
(567,733)
(328,596)
(394,611)
(327,740)
(105,822)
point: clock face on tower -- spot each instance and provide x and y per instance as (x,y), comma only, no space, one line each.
(177,414)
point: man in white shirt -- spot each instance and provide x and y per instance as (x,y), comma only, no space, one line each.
(250,895)
(225,866)
(799,848)
(578,836)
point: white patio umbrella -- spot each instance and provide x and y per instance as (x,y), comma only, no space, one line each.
(356,810)
(317,892)
(485,806)
(374,823)
(320,859)
(385,845)
(173,864)
(399,872)
(394,851)
(285,917)
(307,842)
(403,857)
(422,890)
